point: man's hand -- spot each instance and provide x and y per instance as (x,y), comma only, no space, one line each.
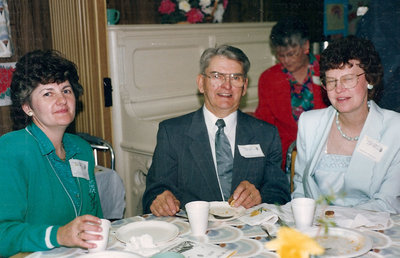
(246,194)
(165,204)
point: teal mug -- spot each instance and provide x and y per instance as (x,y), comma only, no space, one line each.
(112,16)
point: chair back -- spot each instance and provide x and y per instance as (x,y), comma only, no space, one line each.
(290,160)
(109,184)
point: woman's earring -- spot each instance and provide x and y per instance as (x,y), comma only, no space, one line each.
(370,86)
(30,113)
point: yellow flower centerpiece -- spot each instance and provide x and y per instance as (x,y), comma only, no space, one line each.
(291,243)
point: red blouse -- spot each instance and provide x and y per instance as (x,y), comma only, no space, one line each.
(274,103)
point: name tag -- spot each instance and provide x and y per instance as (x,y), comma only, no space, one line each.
(251,151)
(79,168)
(371,148)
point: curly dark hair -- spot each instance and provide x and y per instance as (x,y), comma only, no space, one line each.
(39,67)
(339,52)
(289,32)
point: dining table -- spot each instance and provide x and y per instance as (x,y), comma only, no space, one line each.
(233,237)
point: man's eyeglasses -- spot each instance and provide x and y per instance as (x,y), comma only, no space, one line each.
(290,54)
(217,79)
(348,81)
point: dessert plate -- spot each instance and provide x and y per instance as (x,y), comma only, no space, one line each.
(341,242)
(160,231)
(223,209)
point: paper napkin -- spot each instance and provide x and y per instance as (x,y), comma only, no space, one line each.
(347,217)
(259,214)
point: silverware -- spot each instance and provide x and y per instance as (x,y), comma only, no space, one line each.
(269,237)
(181,216)
(221,217)
(282,223)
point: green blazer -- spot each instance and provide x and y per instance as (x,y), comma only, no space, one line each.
(34,203)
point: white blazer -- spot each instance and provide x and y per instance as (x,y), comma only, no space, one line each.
(369,183)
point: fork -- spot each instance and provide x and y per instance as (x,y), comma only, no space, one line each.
(269,237)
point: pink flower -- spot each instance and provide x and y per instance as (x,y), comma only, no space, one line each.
(194,15)
(166,7)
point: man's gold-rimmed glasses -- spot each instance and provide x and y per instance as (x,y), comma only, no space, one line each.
(347,81)
(237,80)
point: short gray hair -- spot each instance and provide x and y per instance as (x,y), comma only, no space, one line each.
(289,32)
(227,51)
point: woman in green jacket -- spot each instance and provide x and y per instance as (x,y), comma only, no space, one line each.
(49,196)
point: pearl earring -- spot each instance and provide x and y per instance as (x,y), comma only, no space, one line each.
(30,113)
(370,86)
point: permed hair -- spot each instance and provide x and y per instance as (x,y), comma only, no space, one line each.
(339,52)
(289,32)
(34,68)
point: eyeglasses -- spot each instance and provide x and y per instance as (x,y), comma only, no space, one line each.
(217,79)
(290,54)
(348,81)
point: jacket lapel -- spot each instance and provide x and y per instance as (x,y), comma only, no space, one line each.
(244,136)
(360,165)
(324,126)
(201,152)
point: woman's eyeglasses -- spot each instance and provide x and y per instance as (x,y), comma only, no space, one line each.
(290,54)
(348,81)
(217,79)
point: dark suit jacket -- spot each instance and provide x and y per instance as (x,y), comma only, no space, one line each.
(183,163)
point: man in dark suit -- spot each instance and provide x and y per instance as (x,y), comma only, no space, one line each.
(187,163)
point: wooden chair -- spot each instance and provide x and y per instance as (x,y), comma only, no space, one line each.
(290,160)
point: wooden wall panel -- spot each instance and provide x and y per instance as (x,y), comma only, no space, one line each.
(146,12)
(79,31)
(30,30)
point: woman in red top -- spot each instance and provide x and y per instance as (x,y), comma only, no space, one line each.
(292,86)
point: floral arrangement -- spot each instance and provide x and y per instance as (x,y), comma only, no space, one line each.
(192,11)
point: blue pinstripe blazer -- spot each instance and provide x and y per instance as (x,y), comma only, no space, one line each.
(183,163)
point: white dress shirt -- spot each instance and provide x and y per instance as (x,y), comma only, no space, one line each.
(229,130)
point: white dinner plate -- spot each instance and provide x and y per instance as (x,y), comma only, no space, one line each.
(160,231)
(108,254)
(341,242)
(224,209)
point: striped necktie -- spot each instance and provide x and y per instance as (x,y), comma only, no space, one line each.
(224,159)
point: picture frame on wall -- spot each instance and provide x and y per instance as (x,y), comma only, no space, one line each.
(336,17)
(5,32)
(6,71)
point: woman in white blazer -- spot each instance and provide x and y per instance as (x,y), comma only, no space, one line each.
(352,148)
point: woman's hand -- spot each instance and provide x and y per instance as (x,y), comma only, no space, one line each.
(74,233)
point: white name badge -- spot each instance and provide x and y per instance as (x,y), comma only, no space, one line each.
(79,168)
(251,151)
(371,148)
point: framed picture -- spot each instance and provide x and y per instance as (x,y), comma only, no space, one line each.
(6,71)
(335,17)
